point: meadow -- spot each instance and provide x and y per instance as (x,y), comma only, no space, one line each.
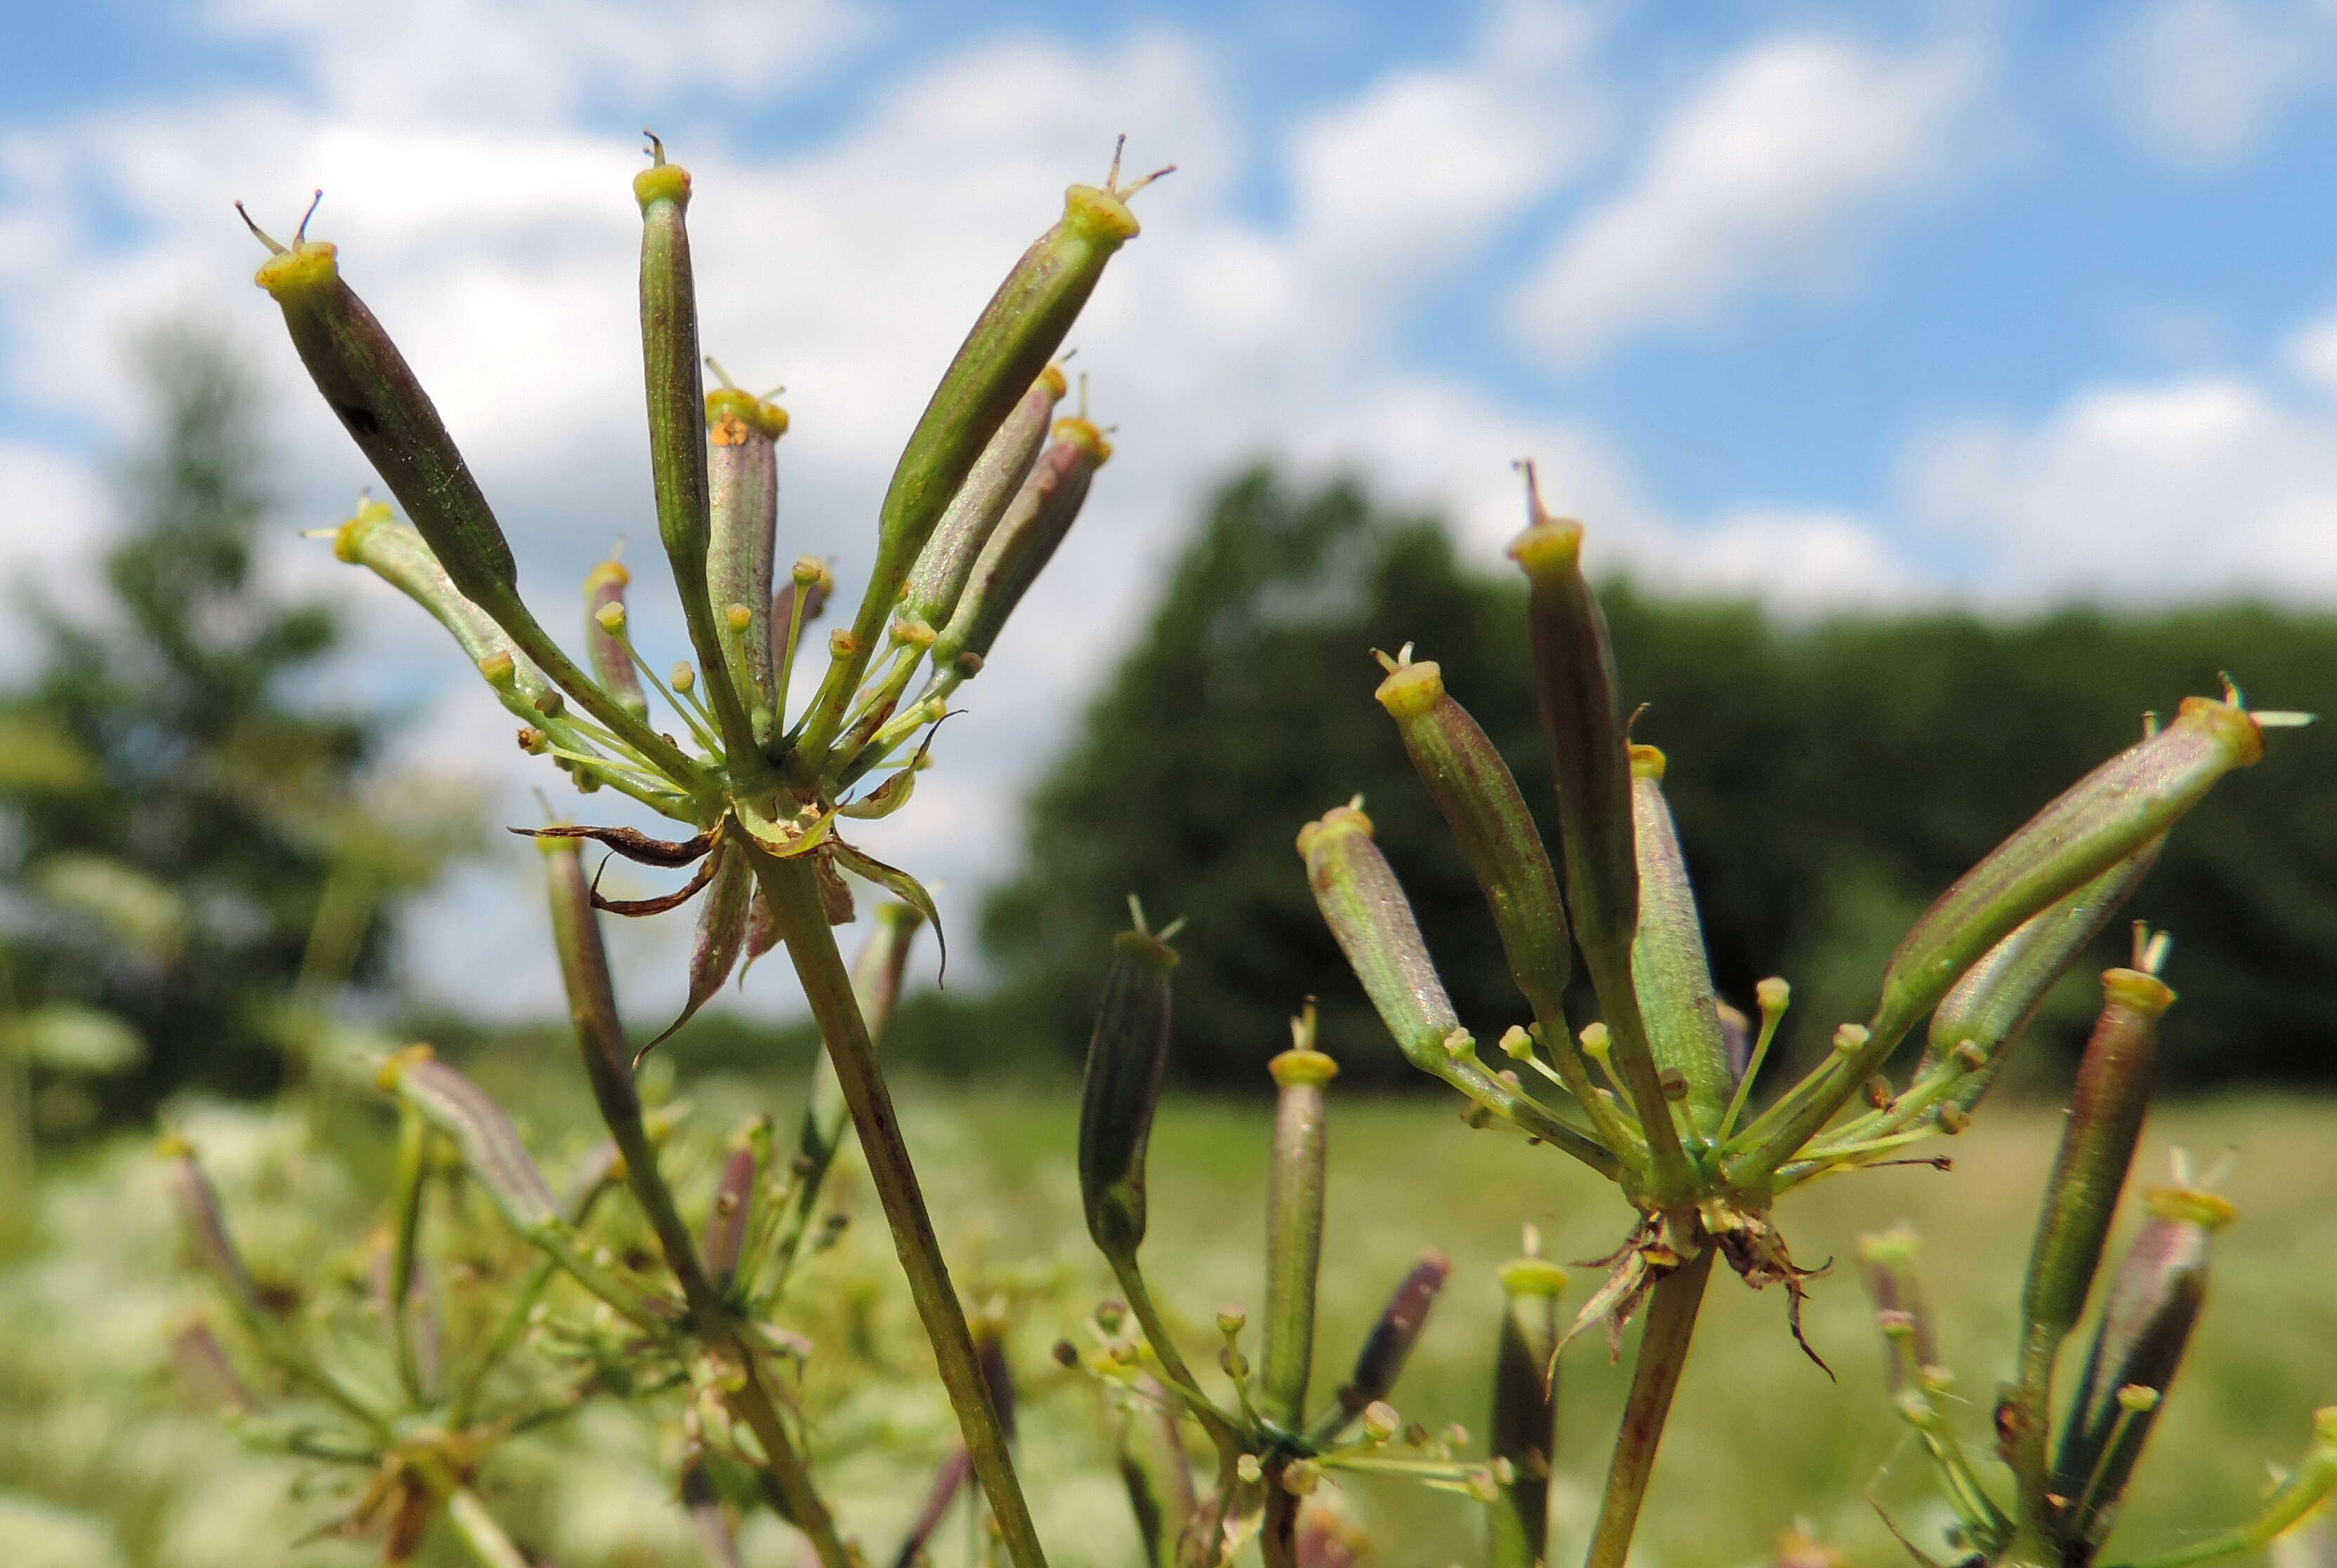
(113,1457)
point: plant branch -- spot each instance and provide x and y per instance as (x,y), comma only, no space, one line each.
(1655,1378)
(792,890)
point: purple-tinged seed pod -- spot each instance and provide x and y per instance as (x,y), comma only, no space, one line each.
(592,992)
(726,1221)
(613,666)
(1583,720)
(996,478)
(481,1129)
(367,383)
(1669,969)
(742,433)
(1294,1222)
(205,1367)
(1019,548)
(198,1207)
(703,1503)
(2153,1303)
(398,554)
(1389,1344)
(2107,1108)
(1127,1054)
(1523,1428)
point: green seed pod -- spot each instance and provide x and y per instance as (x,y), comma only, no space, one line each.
(613,666)
(997,477)
(1017,333)
(1480,802)
(199,1206)
(1127,1055)
(1668,967)
(1020,545)
(1364,907)
(1524,1424)
(396,553)
(677,416)
(2107,1108)
(1389,1344)
(1294,1222)
(1372,920)
(371,388)
(2153,1303)
(742,433)
(1990,1007)
(2104,818)
(1583,720)
(481,1129)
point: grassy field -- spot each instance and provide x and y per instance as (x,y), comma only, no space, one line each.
(106,1461)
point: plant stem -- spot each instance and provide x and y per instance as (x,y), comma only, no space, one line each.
(752,1402)
(1278,1538)
(1655,1377)
(478,1531)
(792,890)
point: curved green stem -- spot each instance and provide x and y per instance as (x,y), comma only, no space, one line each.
(1655,1378)
(792,890)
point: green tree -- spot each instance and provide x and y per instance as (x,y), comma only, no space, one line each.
(177,816)
(1829,780)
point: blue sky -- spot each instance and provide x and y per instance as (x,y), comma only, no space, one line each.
(1835,305)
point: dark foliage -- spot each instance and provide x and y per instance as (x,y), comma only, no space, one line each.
(1829,780)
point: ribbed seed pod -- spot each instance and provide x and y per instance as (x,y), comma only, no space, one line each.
(996,478)
(613,667)
(1011,341)
(2107,1108)
(1480,802)
(1524,1424)
(676,421)
(1294,1223)
(2153,1303)
(1397,1329)
(2104,818)
(481,1129)
(1668,966)
(1991,1005)
(742,433)
(396,553)
(1364,907)
(370,385)
(1127,1056)
(1020,545)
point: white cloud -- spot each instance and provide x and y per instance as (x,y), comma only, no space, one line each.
(2202,83)
(537,59)
(2179,489)
(1769,174)
(54,516)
